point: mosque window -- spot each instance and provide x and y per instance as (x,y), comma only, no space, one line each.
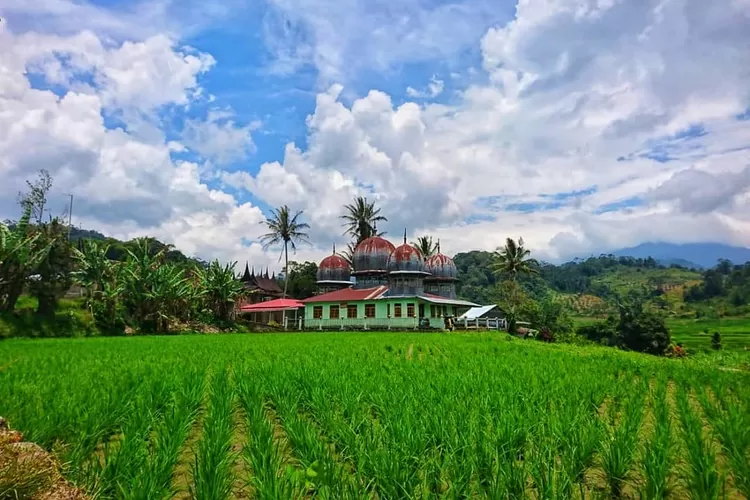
(333,312)
(397,310)
(409,310)
(351,311)
(369,310)
(317,312)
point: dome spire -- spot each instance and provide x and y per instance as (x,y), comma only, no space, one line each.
(404,236)
(438,246)
(334,249)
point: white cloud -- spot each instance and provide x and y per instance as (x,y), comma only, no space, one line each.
(574,86)
(219,138)
(124,184)
(573,134)
(434,89)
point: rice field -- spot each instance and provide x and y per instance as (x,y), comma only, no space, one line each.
(377,416)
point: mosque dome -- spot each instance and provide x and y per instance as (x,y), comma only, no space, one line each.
(334,268)
(441,267)
(406,258)
(372,254)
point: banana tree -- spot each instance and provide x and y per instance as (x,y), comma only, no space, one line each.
(20,255)
(222,289)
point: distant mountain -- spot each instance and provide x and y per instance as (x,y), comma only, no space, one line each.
(702,255)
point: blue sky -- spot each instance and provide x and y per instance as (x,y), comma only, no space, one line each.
(582,126)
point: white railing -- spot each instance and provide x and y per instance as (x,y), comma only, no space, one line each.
(390,323)
(489,323)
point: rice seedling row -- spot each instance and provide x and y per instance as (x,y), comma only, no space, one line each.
(378,416)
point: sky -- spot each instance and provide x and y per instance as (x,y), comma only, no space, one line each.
(582,126)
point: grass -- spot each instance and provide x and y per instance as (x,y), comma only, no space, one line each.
(341,415)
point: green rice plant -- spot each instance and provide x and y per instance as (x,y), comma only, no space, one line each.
(621,443)
(338,416)
(212,469)
(731,421)
(263,453)
(658,452)
(702,472)
(155,481)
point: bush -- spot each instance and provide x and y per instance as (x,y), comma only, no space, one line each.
(645,332)
(601,330)
(716,341)
(545,335)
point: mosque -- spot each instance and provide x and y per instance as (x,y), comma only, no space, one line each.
(389,287)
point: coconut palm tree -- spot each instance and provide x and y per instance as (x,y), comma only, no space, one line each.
(425,246)
(360,218)
(285,228)
(348,254)
(513,260)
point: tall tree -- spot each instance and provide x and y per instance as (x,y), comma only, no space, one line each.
(513,259)
(360,218)
(36,198)
(20,254)
(287,229)
(426,246)
(54,274)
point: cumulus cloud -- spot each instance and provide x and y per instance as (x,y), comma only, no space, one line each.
(219,138)
(698,192)
(588,126)
(582,98)
(124,185)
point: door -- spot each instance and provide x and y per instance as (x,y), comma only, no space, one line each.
(421,310)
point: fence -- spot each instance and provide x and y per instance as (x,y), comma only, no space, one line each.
(390,324)
(488,323)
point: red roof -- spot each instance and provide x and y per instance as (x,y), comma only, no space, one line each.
(349,294)
(272,305)
(334,262)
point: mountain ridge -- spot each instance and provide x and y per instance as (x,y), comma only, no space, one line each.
(703,255)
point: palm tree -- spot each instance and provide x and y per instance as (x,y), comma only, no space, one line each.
(284,227)
(425,246)
(348,254)
(513,259)
(361,219)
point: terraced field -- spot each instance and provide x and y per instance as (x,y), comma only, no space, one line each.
(377,416)
(696,334)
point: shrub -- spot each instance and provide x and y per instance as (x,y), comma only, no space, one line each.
(716,341)
(545,335)
(645,332)
(601,330)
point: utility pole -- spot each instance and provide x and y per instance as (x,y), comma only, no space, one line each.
(70,216)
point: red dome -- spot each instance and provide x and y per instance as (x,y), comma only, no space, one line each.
(334,262)
(406,258)
(441,266)
(333,268)
(372,254)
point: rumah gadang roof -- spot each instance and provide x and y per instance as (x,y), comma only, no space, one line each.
(261,282)
(272,305)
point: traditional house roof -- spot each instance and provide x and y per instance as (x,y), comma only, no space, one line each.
(260,282)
